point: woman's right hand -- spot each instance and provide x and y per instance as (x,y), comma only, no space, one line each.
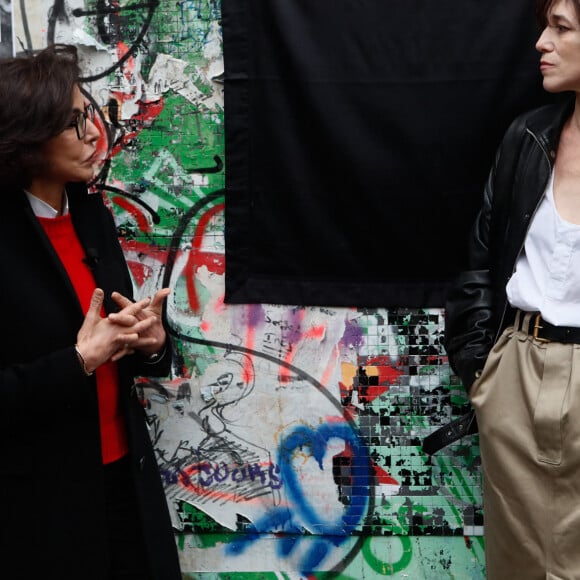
(100,339)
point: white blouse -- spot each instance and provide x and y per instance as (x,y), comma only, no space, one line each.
(547,274)
(43,209)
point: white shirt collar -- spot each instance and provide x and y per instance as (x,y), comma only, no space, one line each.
(43,209)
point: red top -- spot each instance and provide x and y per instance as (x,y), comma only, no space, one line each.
(68,247)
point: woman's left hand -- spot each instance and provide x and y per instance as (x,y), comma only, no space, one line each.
(152,339)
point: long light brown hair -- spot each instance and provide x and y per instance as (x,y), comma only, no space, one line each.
(543,8)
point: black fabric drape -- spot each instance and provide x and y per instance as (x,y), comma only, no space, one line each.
(359,134)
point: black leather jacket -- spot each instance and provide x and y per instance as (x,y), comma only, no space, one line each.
(477,310)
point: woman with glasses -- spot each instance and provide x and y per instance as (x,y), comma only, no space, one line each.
(80,492)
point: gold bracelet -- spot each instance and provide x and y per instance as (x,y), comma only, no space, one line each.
(82,361)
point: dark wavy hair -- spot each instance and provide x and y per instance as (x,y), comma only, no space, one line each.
(36,93)
(543,7)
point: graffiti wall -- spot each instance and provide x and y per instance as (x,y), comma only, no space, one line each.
(6,47)
(289,438)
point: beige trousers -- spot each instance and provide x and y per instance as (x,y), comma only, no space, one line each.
(527,402)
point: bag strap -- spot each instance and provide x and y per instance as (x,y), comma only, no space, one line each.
(456,429)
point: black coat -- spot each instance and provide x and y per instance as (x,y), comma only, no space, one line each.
(477,311)
(51,492)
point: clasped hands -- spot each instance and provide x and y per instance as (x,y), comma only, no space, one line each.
(137,326)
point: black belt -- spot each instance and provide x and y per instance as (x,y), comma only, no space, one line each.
(541,331)
(545,332)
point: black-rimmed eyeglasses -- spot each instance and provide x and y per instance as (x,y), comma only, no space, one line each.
(80,120)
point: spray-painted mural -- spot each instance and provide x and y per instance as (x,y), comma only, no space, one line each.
(288,437)
(6,48)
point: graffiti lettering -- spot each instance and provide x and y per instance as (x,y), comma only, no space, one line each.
(212,473)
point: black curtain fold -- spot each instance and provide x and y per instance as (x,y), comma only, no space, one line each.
(359,135)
